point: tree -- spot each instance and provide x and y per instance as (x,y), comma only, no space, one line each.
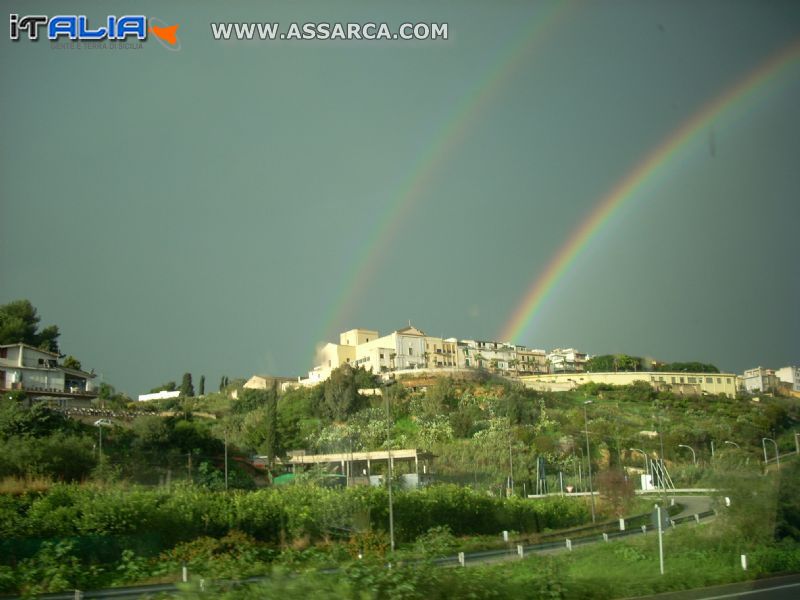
(617,489)
(606,363)
(223,382)
(72,363)
(19,322)
(170,386)
(341,396)
(271,438)
(187,389)
(202,387)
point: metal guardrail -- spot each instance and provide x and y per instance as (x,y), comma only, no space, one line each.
(140,591)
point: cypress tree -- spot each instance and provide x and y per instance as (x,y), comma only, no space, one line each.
(187,389)
(271,438)
(202,385)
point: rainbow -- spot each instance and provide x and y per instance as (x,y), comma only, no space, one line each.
(445,139)
(633,182)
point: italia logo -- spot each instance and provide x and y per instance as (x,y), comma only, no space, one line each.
(77,27)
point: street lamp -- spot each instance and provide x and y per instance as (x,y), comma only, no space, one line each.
(777,454)
(100,423)
(589,457)
(694,456)
(733,444)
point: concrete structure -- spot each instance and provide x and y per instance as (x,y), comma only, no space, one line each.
(38,373)
(162,395)
(790,375)
(360,462)
(760,380)
(683,383)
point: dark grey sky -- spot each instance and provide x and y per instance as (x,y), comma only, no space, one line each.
(201,210)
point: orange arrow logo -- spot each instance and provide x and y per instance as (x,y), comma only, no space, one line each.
(166,33)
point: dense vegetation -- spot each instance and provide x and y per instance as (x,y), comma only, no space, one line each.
(133,496)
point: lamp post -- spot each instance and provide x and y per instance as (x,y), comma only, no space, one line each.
(589,457)
(732,444)
(777,454)
(694,456)
(100,423)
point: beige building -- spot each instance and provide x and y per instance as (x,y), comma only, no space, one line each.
(440,352)
(530,361)
(685,383)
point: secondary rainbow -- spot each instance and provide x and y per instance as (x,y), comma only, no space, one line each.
(442,143)
(627,187)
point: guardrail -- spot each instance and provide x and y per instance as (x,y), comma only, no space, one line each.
(449,561)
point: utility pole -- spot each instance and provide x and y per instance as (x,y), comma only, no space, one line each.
(390,471)
(589,458)
(226,460)
(510,460)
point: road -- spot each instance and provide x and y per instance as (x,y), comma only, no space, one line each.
(774,588)
(692,505)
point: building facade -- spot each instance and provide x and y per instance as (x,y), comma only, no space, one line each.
(38,372)
(760,380)
(791,376)
(682,382)
(411,348)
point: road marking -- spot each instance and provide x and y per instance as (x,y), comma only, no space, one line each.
(737,594)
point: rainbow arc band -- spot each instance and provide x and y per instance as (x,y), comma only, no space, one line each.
(542,23)
(628,188)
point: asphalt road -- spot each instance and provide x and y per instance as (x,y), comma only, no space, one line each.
(775,588)
(692,505)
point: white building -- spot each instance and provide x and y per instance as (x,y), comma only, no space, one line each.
(38,372)
(566,360)
(760,380)
(790,375)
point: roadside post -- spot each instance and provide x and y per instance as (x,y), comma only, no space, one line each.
(660,540)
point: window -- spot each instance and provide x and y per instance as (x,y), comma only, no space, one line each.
(3,352)
(709,380)
(410,351)
(719,379)
(381,355)
(681,379)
